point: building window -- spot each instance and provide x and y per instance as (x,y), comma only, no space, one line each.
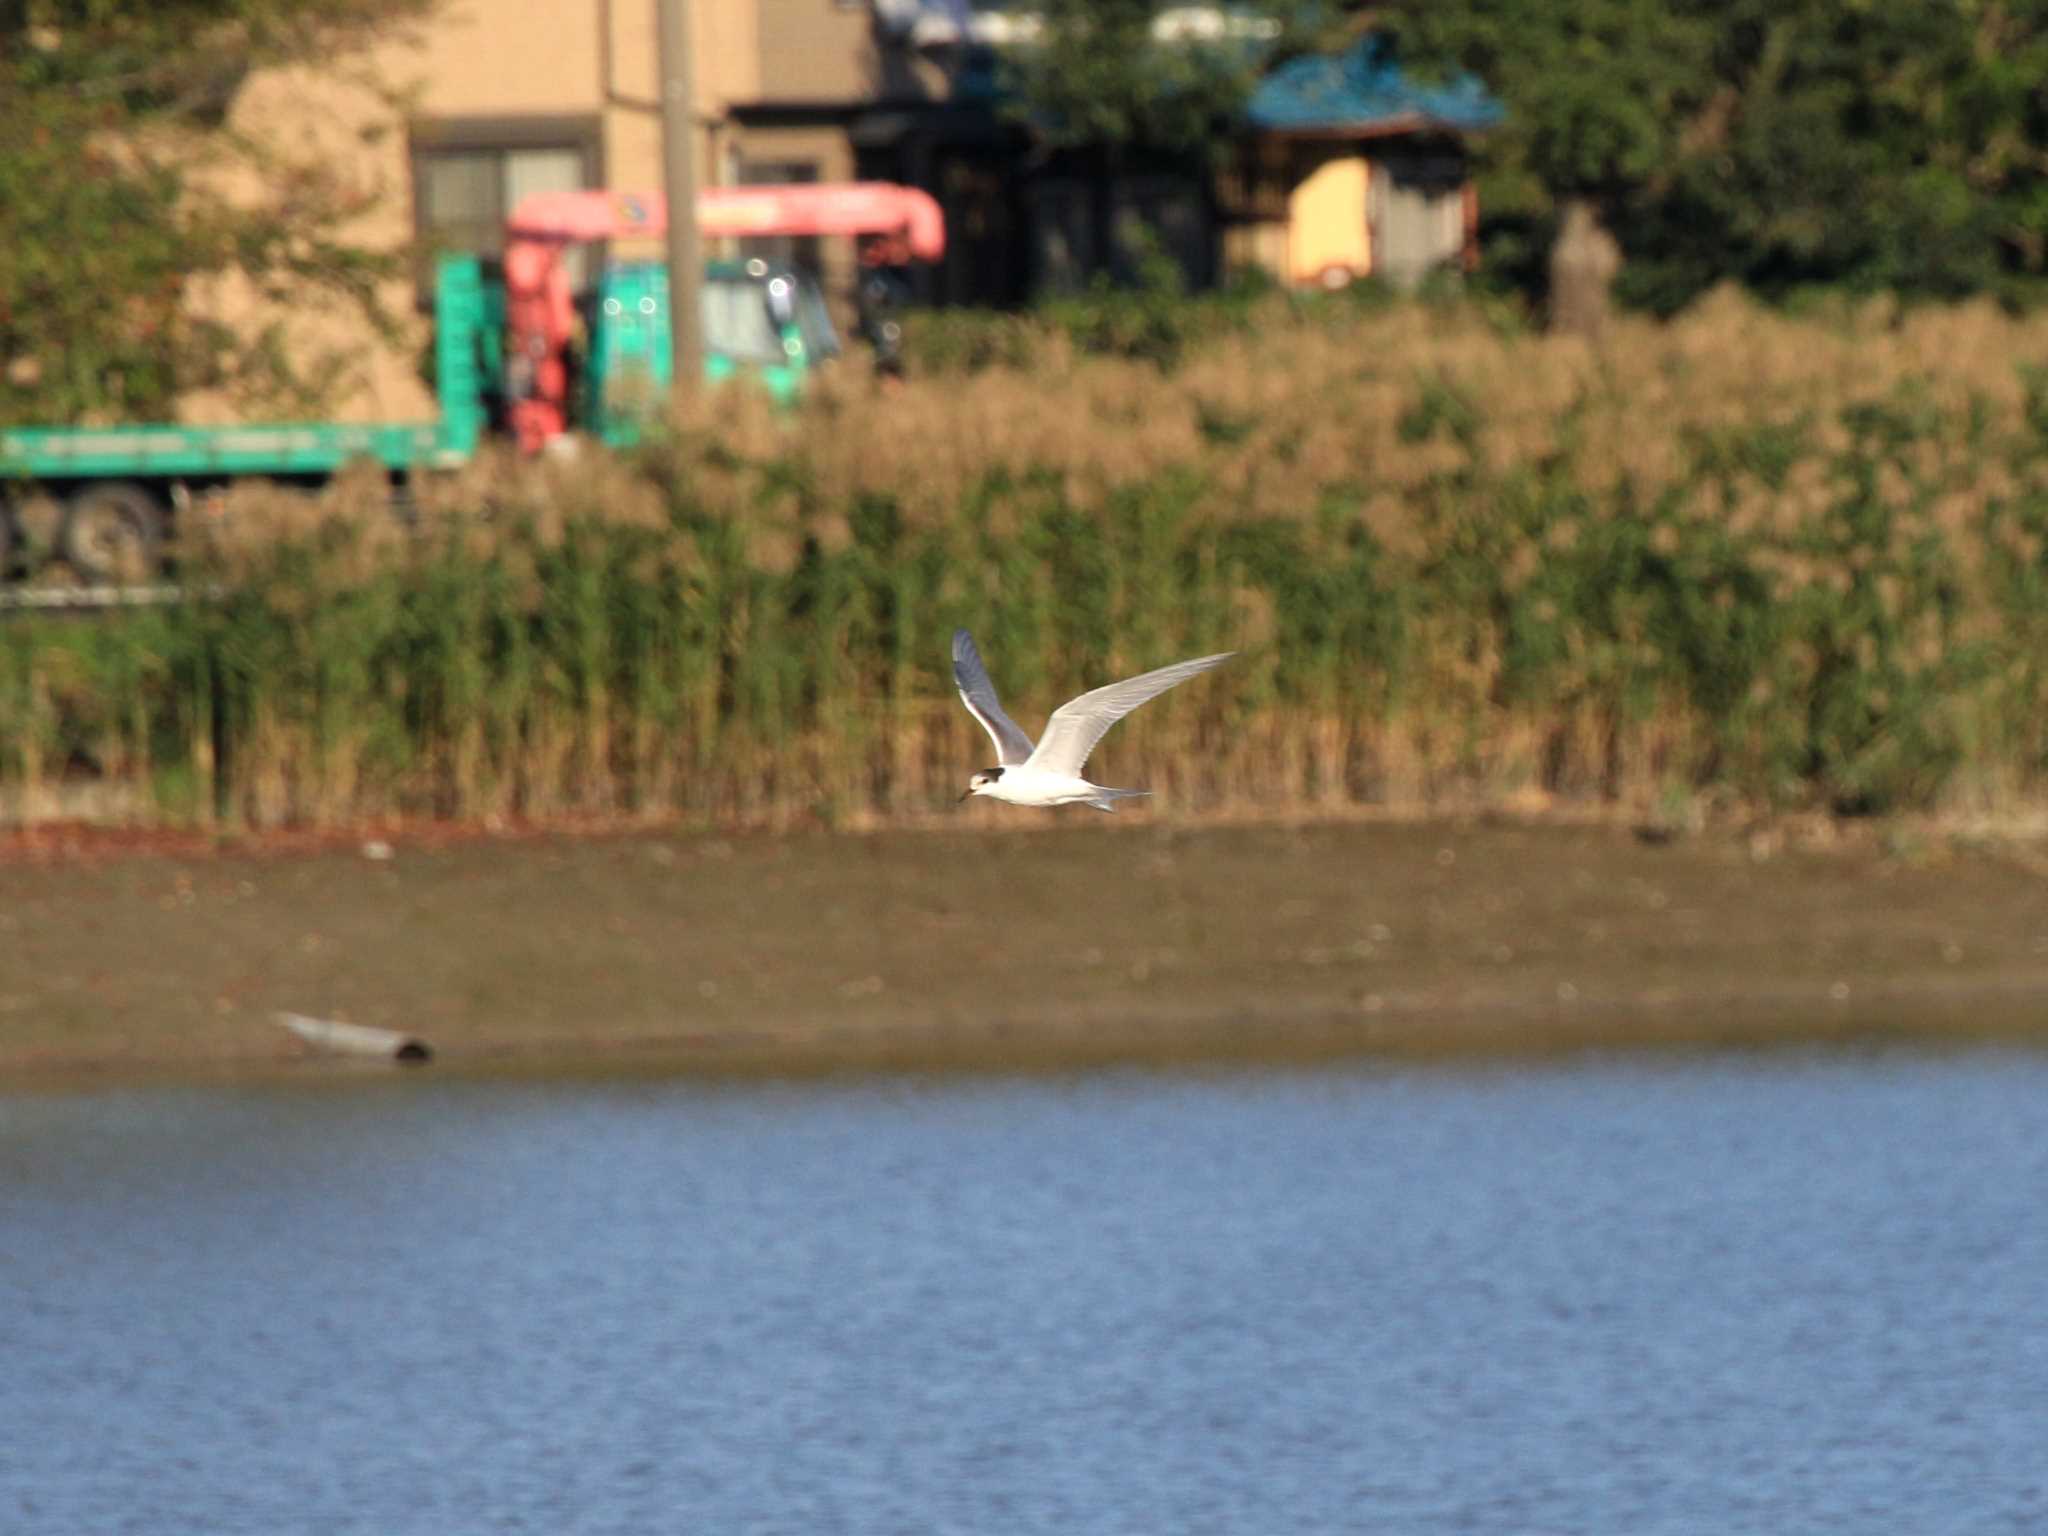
(786,250)
(469,173)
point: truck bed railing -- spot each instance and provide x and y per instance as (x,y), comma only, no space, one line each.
(90,599)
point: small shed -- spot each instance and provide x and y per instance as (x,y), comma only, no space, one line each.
(1351,169)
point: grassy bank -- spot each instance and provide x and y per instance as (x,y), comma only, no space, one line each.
(1735,560)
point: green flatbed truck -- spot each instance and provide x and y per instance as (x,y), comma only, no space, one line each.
(118,490)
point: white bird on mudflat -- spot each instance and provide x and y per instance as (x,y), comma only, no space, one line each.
(1050,772)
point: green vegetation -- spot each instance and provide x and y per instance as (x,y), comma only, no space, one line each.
(1738,559)
(1781,145)
(1096,76)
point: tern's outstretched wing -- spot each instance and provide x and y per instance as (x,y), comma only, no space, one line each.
(979,695)
(1075,727)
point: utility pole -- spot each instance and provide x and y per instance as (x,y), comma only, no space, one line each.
(679,184)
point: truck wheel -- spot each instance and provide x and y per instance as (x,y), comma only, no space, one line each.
(113,532)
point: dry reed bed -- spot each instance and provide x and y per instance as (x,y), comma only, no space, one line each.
(1736,558)
(1278,407)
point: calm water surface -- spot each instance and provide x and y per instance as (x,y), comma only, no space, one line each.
(1773,1295)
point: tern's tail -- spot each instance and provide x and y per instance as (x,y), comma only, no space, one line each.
(1106,799)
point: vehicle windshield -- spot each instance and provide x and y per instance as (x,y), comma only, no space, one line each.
(738,322)
(734,314)
(820,340)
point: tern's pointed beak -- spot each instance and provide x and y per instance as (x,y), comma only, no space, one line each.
(968,796)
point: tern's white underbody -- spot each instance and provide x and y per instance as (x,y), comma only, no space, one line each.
(1025,785)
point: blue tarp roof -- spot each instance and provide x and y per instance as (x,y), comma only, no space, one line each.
(1365,88)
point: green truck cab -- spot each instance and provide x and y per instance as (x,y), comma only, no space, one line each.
(761,322)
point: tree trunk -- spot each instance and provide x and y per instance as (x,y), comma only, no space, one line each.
(1582,267)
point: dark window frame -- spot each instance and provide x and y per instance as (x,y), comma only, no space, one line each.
(581,133)
(768,170)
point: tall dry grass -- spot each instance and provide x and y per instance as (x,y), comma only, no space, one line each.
(1283,400)
(1737,558)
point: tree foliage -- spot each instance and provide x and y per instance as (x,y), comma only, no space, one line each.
(1899,147)
(127,187)
(1783,143)
(1598,92)
(1141,75)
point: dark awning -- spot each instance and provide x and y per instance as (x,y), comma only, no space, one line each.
(947,122)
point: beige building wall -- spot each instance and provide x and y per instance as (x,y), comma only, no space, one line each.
(476,63)
(343,129)
(815,50)
(496,57)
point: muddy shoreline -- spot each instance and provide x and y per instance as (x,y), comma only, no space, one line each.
(1081,944)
